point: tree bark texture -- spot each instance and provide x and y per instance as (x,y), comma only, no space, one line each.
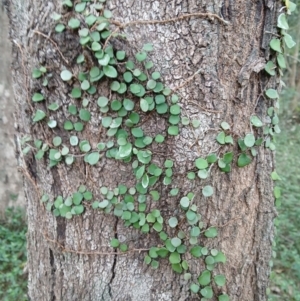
(227,87)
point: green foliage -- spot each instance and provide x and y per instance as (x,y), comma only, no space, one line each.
(285,276)
(13,281)
(136,91)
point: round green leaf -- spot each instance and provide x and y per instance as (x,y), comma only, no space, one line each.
(66,75)
(207,191)
(205,278)
(93,158)
(249,140)
(243,160)
(220,280)
(85,115)
(211,232)
(256,121)
(110,71)
(173,222)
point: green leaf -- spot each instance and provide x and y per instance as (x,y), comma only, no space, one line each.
(223,297)
(196,251)
(275,45)
(281,61)
(249,140)
(211,158)
(207,191)
(85,115)
(207,292)
(57,141)
(220,280)
(66,75)
(110,71)
(275,176)
(37,97)
(60,27)
(176,242)
(243,160)
(220,257)
(277,192)
(204,278)
(282,22)
(228,139)
(39,115)
(225,126)
(52,123)
(174,258)
(256,121)
(201,163)
(125,150)
(194,287)
(74,23)
(270,68)
(173,130)
(289,42)
(185,202)
(173,222)
(228,157)
(144,105)
(272,93)
(114,243)
(80,7)
(211,232)
(221,138)
(93,158)
(141,56)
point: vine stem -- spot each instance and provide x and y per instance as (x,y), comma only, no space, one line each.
(87,252)
(182,17)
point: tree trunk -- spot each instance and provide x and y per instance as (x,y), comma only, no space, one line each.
(213,66)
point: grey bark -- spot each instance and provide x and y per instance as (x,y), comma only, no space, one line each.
(226,88)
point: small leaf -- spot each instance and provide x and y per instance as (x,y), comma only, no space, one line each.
(277,192)
(275,45)
(37,97)
(221,138)
(74,23)
(223,297)
(201,163)
(249,140)
(281,61)
(225,126)
(194,288)
(173,222)
(93,158)
(144,105)
(39,115)
(282,22)
(66,75)
(211,232)
(110,71)
(204,278)
(175,258)
(114,243)
(289,42)
(220,280)
(270,68)
(85,115)
(256,121)
(272,93)
(243,160)
(207,191)
(53,106)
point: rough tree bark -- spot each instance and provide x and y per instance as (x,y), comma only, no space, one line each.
(227,87)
